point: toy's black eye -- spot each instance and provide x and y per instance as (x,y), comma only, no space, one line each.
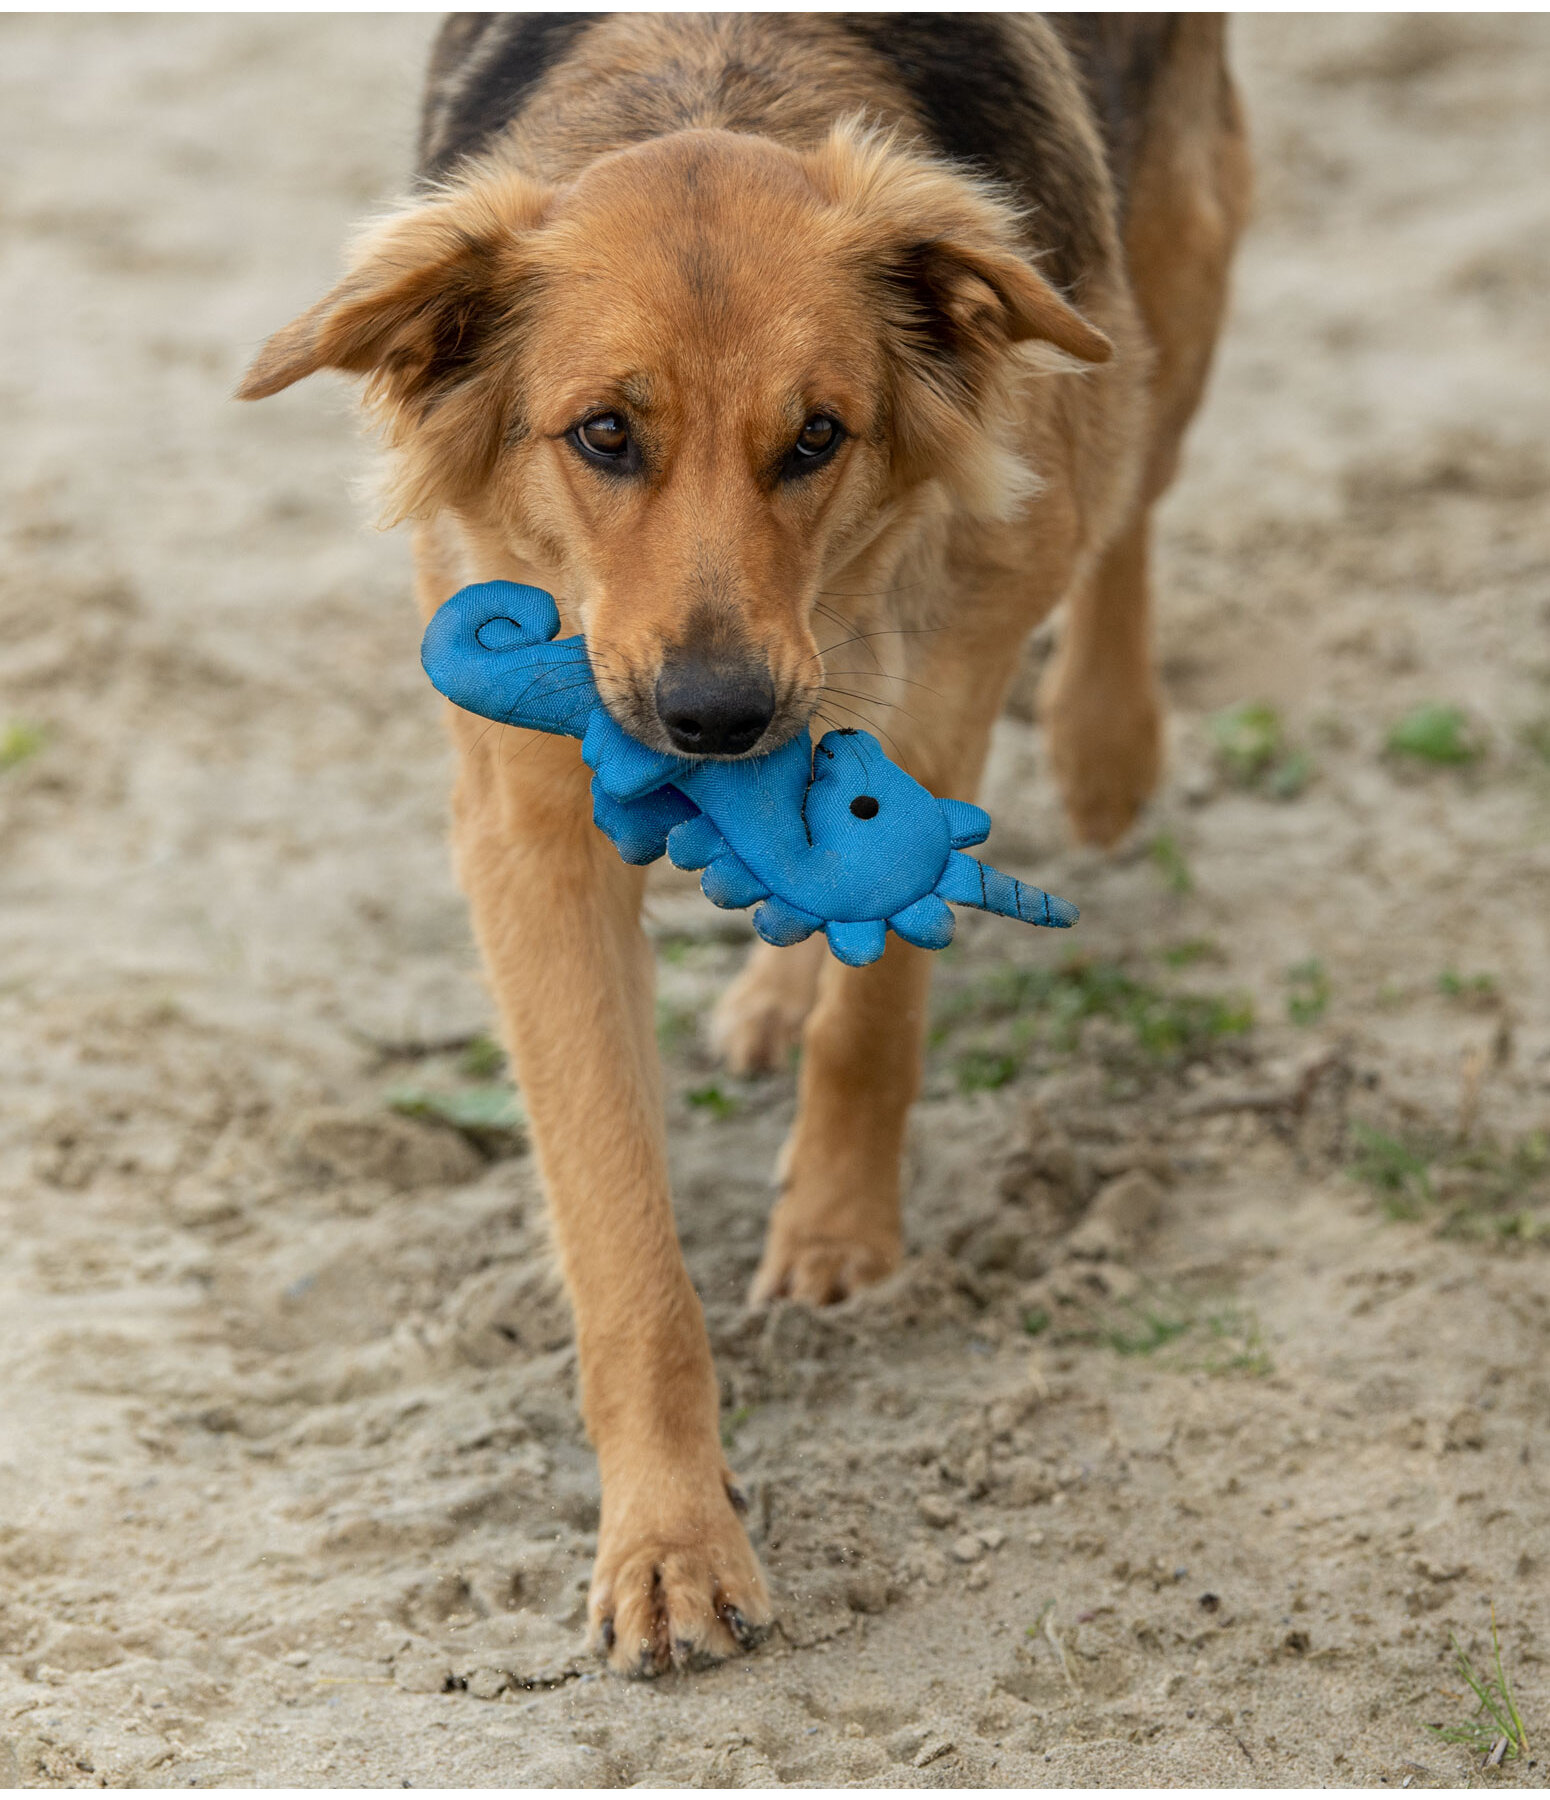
(605,440)
(864,806)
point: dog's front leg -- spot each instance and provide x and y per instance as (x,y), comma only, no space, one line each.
(835,1227)
(557,917)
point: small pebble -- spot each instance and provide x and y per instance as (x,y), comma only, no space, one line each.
(968,1548)
(937,1510)
(298,1659)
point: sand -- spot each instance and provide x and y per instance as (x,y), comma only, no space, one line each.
(1172,1456)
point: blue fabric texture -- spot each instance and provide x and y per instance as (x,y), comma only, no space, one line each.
(833,837)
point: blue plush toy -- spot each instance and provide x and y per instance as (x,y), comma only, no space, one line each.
(840,838)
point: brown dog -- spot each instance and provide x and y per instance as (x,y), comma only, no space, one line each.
(757,339)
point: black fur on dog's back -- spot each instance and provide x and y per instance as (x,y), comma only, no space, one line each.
(1055,111)
(483,67)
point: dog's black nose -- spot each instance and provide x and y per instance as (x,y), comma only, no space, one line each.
(714,708)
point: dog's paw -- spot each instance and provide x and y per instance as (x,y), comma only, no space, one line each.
(1107,760)
(677,1596)
(758,1021)
(818,1270)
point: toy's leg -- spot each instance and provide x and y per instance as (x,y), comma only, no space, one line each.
(556,915)
(1100,699)
(758,1021)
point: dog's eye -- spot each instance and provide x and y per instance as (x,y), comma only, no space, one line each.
(818,435)
(864,806)
(604,434)
(817,441)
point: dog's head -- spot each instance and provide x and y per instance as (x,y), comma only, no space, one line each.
(691,386)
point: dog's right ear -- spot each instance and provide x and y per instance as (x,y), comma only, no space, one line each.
(427,290)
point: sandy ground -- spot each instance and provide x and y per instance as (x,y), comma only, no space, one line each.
(1214,1396)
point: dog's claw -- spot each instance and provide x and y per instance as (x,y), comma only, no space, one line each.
(746,1635)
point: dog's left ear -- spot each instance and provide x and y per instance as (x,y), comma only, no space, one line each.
(947,256)
(965,300)
(955,295)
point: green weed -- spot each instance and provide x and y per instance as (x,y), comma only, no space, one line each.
(1036,1320)
(1239,1344)
(1191,951)
(981,1071)
(1485,1189)
(1397,1172)
(1308,999)
(482,1058)
(713,1100)
(1247,738)
(1015,1011)
(1169,861)
(1250,744)
(1467,987)
(18,742)
(1151,1334)
(488,1113)
(1495,1718)
(677,1026)
(1435,733)
(734,1423)
(1226,1341)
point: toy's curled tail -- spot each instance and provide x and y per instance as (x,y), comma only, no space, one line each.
(834,837)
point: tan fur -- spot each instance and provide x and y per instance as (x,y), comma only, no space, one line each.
(722,286)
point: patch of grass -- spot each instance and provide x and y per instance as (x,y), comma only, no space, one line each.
(1396,1171)
(1487,1189)
(1150,1334)
(734,1423)
(1190,952)
(19,742)
(1247,738)
(982,1071)
(1495,1719)
(712,1099)
(1308,996)
(1251,747)
(1185,1333)
(1454,986)
(1036,1320)
(1238,1344)
(487,1113)
(1436,733)
(1015,1011)
(1170,862)
(483,1059)
(1290,775)
(677,1026)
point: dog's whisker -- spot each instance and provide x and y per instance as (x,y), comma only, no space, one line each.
(870,725)
(883,675)
(902,587)
(865,699)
